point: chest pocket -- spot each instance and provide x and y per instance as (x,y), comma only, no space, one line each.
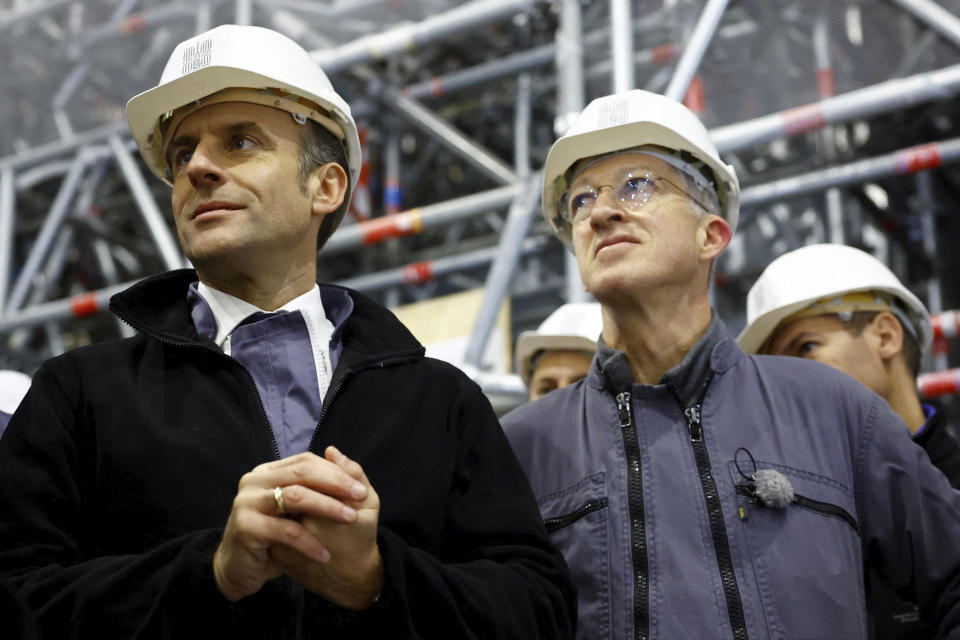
(576,519)
(807,557)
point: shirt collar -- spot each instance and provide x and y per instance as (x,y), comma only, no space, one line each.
(229,311)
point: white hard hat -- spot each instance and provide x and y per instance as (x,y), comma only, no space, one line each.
(13,386)
(802,277)
(571,327)
(625,121)
(269,67)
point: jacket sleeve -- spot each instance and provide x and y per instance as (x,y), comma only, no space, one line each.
(74,587)
(911,518)
(499,576)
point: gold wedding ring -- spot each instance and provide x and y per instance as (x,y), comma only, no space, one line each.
(278,498)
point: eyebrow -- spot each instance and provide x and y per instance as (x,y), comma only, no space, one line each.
(227,130)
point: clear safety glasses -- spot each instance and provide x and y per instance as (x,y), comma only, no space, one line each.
(633,190)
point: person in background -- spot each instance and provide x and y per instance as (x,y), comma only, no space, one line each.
(560,351)
(697,491)
(266,458)
(13,386)
(841,306)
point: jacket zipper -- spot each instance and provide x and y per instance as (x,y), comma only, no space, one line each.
(826,508)
(638,532)
(252,385)
(554,524)
(721,545)
(326,403)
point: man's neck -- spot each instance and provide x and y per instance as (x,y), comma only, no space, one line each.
(656,336)
(903,399)
(264,288)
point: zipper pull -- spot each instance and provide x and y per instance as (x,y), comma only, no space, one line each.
(694,425)
(624,409)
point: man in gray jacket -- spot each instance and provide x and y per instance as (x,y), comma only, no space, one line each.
(696,491)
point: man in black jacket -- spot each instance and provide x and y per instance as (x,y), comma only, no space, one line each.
(267,457)
(841,306)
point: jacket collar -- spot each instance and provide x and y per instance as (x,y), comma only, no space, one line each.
(157,307)
(715,351)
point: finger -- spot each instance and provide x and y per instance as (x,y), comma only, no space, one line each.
(299,500)
(350,467)
(264,531)
(307,470)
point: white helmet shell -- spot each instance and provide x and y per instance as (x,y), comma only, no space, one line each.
(624,121)
(13,387)
(801,277)
(572,327)
(232,57)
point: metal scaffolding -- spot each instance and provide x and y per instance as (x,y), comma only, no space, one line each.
(830,111)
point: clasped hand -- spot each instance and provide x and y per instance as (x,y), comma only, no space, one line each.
(326,539)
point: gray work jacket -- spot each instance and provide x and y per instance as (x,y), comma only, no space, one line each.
(641,490)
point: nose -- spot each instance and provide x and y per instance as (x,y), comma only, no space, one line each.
(202,168)
(607,207)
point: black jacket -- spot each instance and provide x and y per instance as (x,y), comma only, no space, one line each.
(894,615)
(941,446)
(118,472)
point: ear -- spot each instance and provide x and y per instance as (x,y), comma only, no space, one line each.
(714,235)
(887,335)
(327,187)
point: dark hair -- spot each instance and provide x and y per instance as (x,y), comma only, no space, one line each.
(911,350)
(318,147)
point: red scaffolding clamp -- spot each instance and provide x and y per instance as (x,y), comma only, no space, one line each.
(938,383)
(946,324)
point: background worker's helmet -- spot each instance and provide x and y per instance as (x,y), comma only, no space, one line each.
(625,121)
(572,327)
(818,278)
(13,387)
(241,64)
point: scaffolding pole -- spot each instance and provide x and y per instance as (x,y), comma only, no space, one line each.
(410,36)
(52,150)
(74,307)
(695,49)
(427,270)
(482,73)
(501,272)
(126,26)
(169,251)
(869,101)
(430,123)
(946,324)
(13,17)
(8,196)
(935,17)
(938,383)
(569,52)
(48,233)
(826,89)
(522,210)
(906,161)
(570,102)
(621,45)
(420,219)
